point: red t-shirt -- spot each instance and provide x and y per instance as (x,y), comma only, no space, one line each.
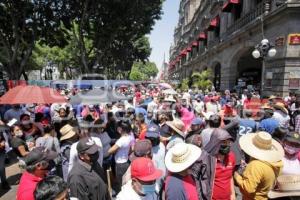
(27,186)
(222,182)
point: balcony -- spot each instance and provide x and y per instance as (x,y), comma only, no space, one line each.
(244,20)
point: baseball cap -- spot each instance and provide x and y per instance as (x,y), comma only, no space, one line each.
(152,131)
(87,145)
(197,121)
(143,169)
(39,154)
(141,148)
(293,137)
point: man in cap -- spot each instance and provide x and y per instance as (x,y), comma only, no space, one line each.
(268,124)
(142,148)
(214,121)
(291,146)
(86,178)
(142,184)
(38,163)
(193,136)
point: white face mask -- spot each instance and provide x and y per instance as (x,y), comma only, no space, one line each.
(291,150)
(19,133)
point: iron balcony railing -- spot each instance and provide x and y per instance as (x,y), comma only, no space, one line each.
(244,20)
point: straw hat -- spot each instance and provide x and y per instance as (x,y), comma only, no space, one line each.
(262,147)
(177,125)
(287,186)
(272,97)
(181,156)
(170,99)
(281,106)
(67,132)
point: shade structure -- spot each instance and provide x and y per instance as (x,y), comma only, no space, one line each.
(97,96)
(32,94)
(202,36)
(165,85)
(229,4)
(195,44)
(183,52)
(189,49)
(214,23)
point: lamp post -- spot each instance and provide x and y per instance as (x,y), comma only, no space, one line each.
(263,50)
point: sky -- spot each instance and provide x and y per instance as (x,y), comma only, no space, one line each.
(161,36)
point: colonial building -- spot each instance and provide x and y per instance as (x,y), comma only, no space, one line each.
(221,35)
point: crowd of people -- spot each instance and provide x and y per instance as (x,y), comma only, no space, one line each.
(189,145)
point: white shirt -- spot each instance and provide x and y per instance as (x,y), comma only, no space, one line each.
(291,166)
(74,153)
(282,118)
(128,192)
(124,143)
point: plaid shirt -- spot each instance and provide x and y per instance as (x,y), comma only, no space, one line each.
(297,123)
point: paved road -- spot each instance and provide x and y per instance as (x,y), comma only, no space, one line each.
(13,175)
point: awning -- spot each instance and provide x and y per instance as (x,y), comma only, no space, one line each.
(202,36)
(229,4)
(195,44)
(214,23)
(183,52)
(189,49)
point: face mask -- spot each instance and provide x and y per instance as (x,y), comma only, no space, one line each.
(148,189)
(291,150)
(26,122)
(94,157)
(19,133)
(224,149)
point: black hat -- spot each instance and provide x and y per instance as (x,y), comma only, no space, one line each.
(87,145)
(293,137)
(39,154)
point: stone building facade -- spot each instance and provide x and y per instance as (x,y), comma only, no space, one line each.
(221,35)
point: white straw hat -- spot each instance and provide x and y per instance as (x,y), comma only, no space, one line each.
(261,146)
(287,186)
(181,156)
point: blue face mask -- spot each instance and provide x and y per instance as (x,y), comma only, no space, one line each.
(147,189)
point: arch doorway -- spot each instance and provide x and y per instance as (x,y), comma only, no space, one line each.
(249,71)
(217,77)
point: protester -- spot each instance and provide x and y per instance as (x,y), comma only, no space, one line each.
(29,129)
(268,123)
(86,178)
(4,183)
(220,163)
(264,167)
(281,115)
(177,132)
(179,183)
(142,184)
(194,136)
(13,113)
(121,150)
(47,140)
(38,163)
(51,188)
(291,146)
(17,142)
(214,121)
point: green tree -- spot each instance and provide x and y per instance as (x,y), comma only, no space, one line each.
(184,84)
(202,80)
(143,71)
(22,23)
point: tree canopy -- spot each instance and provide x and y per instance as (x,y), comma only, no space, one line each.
(107,35)
(143,71)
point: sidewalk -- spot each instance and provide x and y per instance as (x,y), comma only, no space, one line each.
(13,176)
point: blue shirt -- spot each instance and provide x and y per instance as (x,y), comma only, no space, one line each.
(269,125)
(247,126)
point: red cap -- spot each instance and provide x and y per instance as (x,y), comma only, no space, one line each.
(144,170)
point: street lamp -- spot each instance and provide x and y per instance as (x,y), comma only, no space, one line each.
(263,50)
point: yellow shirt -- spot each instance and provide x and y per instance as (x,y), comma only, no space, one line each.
(258,179)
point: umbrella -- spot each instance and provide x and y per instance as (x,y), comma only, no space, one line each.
(97,96)
(31,94)
(165,85)
(170,92)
